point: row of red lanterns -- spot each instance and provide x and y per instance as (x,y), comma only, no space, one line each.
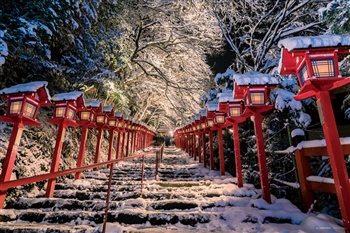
(314,60)
(70,110)
(250,98)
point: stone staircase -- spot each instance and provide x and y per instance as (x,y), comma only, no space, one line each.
(185,198)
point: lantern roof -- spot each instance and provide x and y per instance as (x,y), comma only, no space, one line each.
(107,109)
(255,78)
(212,106)
(307,42)
(197,117)
(92,103)
(118,114)
(226,97)
(70,96)
(38,86)
(203,112)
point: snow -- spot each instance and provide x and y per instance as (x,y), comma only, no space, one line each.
(284,99)
(226,97)
(107,108)
(212,106)
(203,112)
(255,78)
(320,179)
(228,207)
(118,114)
(3,49)
(92,103)
(297,132)
(74,95)
(197,117)
(24,87)
(301,42)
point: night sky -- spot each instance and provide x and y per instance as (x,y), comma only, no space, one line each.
(220,62)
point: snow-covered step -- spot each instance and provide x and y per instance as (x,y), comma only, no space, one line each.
(44,228)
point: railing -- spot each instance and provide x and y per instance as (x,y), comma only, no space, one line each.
(307,183)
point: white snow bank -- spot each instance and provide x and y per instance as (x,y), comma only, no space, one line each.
(254,78)
(74,95)
(24,87)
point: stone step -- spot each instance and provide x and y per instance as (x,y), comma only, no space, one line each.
(43,228)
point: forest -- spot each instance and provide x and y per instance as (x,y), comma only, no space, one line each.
(157,61)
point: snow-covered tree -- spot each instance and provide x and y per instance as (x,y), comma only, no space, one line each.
(252,28)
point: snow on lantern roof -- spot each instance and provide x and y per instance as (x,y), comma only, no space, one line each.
(118,114)
(212,106)
(197,117)
(107,108)
(25,87)
(226,97)
(255,78)
(302,42)
(203,112)
(74,95)
(92,103)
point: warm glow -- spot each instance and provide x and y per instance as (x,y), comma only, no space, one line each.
(71,113)
(29,109)
(220,119)
(111,122)
(210,122)
(60,111)
(100,119)
(15,107)
(235,111)
(84,115)
(257,97)
(323,68)
(120,124)
(203,125)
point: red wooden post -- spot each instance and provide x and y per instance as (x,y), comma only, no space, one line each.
(10,158)
(123,145)
(304,170)
(212,167)
(194,146)
(199,148)
(111,138)
(264,178)
(237,155)
(118,146)
(56,159)
(98,146)
(204,152)
(82,147)
(336,156)
(132,141)
(221,152)
(127,143)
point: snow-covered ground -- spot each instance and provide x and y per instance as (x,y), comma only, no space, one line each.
(215,203)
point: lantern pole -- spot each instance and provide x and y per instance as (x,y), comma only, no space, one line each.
(336,155)
(111,139)
(118,145)
(211,146)
(204,152)
(127,142)
(82,147)
(10,158)
(221,152)
(237,149)
(123,145)
(265,186)
(56,158)
(199,147)
(98,146)
(194,146)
